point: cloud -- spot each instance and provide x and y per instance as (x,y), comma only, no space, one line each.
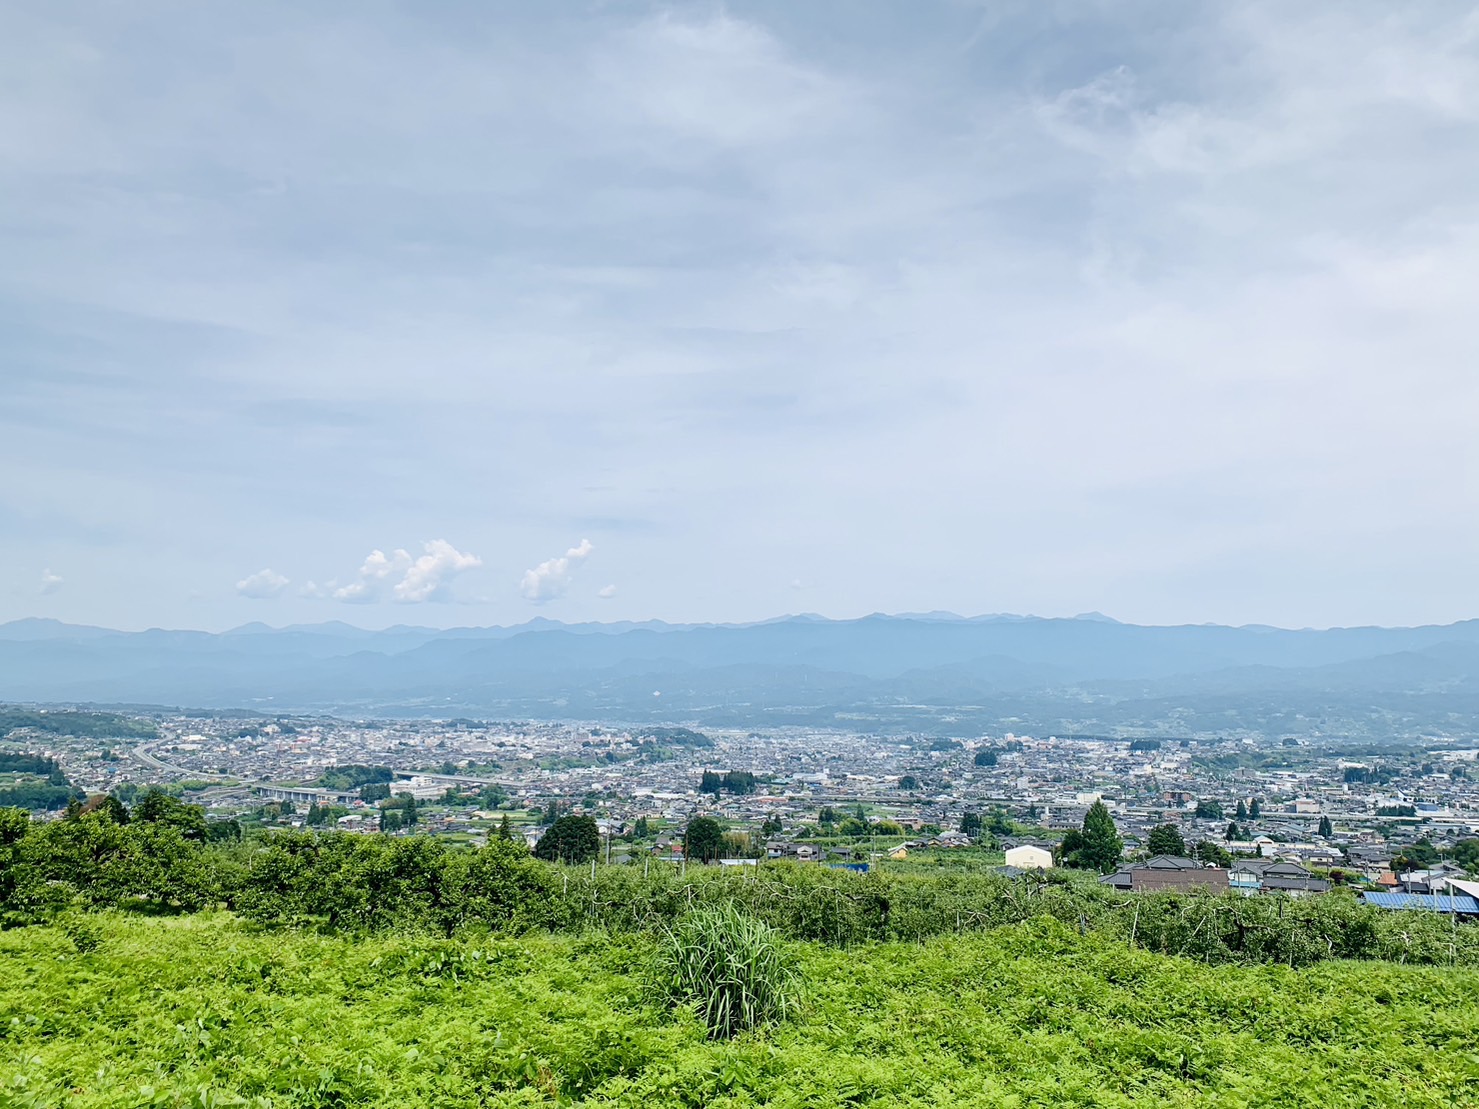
(606,592)
(50,582)
(551,578)
(399,577)
(427,577)
(262,585)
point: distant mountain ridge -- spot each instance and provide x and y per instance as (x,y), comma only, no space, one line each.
(913,669)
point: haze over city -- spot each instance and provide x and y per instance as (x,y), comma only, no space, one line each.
(468,314)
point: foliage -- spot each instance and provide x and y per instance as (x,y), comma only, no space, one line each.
(1209,810)
(731,781)
(353,776)
(70,722)
(1097,846)
(374,791)
(732,969)
(1145,745)
(703,839)
(985,757)
(158,807)
(570,839)
(1165,839)
(207,1011)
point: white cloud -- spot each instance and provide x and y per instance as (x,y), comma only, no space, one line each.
(397,576)
(426,578)
(50,582)
(262,585)
(606,592)
(551,578)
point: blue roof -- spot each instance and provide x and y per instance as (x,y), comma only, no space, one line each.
(1432,902)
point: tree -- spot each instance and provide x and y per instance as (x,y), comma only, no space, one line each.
(1165,839)
(1255,810)
(1326,829)
(985,757)
(827,816)
(551,813)
(1209,810)
(158,807)
(703,839)
(640,829)
(505,829)
(970,824)
(771,827)
(374,791)
(1242,813)
(1097,846)
(909,782)
(1233,832)
(570,839)
(1210,852)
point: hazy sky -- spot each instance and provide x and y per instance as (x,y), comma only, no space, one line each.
(447,313)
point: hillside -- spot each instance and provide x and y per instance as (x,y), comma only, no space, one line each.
(204,1011)
(925,673)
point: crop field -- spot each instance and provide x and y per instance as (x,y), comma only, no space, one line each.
(107,1009)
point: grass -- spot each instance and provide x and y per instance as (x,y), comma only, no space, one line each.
(731,969)
(205,1011)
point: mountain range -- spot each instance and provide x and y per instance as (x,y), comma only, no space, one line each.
(931,672)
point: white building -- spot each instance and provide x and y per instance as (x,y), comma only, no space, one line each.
(1029,856)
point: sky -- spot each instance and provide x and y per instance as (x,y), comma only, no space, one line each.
(466,313)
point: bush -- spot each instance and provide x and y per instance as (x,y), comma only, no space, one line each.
(732,969)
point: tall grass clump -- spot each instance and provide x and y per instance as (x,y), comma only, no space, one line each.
(733,970)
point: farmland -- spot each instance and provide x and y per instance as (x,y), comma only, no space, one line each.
(108,1009)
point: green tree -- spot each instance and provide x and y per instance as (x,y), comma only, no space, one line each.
(1165,839)
(1209,810)
(1242,813)
(1210,852)
(570,839)
(1233,832)
(640,829)
(909,782)
(158,807)
(703,839)
(1097,846)
(505,829)
(1326,828)
(985,757)
(828,815)
(1255,810)
(970,824)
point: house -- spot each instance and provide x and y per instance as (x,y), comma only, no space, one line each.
(1433,880)
(1030,856)
(1162,872)
(1250,876)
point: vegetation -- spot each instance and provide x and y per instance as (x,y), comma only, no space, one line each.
(1165,839)
(570,839)
(1097,846)
(731,781)
(84,725)
(112,1010)
(730,968)
(377,884)
(353,776)
(703,839)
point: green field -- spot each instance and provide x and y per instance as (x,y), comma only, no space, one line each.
(108,1009)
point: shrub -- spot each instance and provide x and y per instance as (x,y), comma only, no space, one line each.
(732,969)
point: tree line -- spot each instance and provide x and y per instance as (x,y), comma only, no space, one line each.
(163,856)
